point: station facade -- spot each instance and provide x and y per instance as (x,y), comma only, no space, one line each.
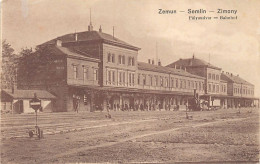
(97,71)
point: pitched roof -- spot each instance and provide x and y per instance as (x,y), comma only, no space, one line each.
(29,94)
(234,79)
(92,36)
(156,68)
(76,54)
(191,62)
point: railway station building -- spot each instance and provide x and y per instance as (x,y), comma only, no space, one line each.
(92,70)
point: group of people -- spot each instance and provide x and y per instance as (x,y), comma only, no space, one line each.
(141,107)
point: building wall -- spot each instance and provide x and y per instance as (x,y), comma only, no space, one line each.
(230,89)
(114,68)
(168,82)
(243,90)
(85,72)
(213,81)
(223,88)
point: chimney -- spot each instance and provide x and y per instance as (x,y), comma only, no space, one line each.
(58,43)
(152,62)
(149,61)
(231,74)
(159,63)
(100,29)
(237,75)
(193,56)
(222,71)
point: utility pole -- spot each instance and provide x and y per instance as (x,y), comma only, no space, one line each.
(156,53)
(113,31)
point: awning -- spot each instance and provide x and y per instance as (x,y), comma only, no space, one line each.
(28,94)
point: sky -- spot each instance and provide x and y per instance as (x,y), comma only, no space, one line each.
(232,45)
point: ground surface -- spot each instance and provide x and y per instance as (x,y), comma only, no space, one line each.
(160,136)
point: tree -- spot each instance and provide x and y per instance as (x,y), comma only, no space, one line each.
(9,66)
(26,66)
(35,66)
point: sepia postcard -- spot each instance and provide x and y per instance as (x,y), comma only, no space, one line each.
(130,81)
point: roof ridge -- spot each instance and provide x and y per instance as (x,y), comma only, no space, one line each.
(170,70)
(100,37)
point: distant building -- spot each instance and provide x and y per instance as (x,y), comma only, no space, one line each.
(100,71)
(17,101)
(221,89)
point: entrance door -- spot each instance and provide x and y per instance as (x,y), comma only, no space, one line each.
(20,106)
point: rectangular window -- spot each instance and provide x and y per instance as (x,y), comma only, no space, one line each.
(161,81)
(124,77)
(151,80)
(123,59)
(172,82)
(217,88)
(109,76)
(75,71)
(113,76)
(144,79)
(189,84)
(213,76)
(138,79)
(214,88)
(156,80)
(209,89)
(166,82)
(95,74)
(209,76)
(120,77)
(129,78)
(108,57)
(184,84)
(177,85)
(217,77)
(119,59)
(133,61)
(129,61)
(85,73)
(113,58)
(133,79)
